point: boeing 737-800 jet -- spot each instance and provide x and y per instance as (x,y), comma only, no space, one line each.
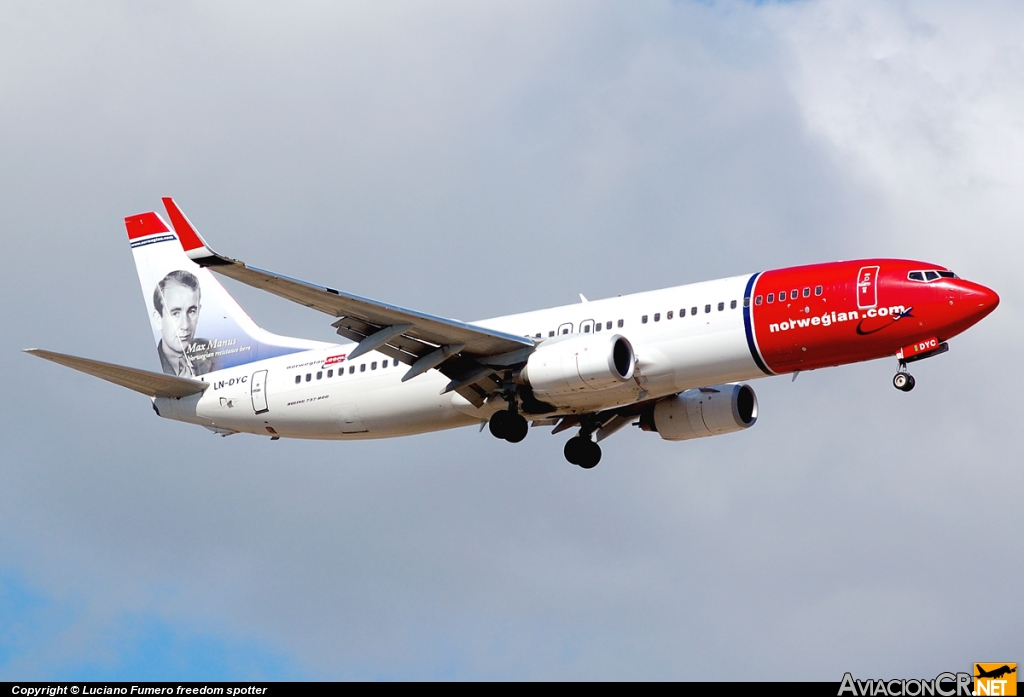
(672,361)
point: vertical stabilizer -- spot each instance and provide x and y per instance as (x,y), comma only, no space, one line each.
(197,326)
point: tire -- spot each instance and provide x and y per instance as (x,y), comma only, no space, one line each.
(591,454)
(573,451)
(499,424)
(516,428)
(910,383)
(900,381)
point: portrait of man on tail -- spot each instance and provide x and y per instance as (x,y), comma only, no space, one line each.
(177,301)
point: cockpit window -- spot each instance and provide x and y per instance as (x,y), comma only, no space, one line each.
(928,276)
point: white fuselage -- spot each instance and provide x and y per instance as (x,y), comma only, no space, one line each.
(311,394)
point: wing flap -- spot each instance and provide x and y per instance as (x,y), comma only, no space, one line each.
(143,381)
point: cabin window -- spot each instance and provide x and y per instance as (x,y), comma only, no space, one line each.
(757,300)
(598,326)
(298,379)
(621,322)
(721,306)
(682,312)
(643,320)
(319,374)
(373,366)
(807,292)
(565,331)
(586,328)
(693,310)
(707,309)
(551,333)
(732,304)
(668,315)
(817,290)
(657,316)
(608,325)
(385,363)
(537,336)
(930,275)
(771,298)
(309,377)
(947,274)
(330,373)
(351,369)
(362,367)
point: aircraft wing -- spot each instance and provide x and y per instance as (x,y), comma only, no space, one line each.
(149,384)
(461,351)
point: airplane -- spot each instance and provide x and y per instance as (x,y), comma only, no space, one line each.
(674,361)
(995,673)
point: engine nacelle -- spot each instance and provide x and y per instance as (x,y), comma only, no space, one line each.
(710,411)
(579,364)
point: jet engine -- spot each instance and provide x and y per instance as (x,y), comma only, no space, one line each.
(709,411)
(578,364)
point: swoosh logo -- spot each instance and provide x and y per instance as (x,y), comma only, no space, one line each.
(897,318)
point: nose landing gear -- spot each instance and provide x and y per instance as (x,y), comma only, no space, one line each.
(903,380)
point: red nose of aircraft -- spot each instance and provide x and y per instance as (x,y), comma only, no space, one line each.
(976,301)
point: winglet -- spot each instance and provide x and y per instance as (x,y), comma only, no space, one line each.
(193,244)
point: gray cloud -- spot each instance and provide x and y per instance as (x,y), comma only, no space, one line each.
(474,161)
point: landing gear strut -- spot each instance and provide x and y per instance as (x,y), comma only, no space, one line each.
(582,451)
(508,425)
(903,380)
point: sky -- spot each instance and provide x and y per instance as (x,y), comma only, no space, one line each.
(473,160)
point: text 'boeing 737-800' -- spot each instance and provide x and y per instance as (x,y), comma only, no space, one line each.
(673,361)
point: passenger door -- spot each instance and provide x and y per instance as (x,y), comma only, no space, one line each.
(258,389)
(867,287)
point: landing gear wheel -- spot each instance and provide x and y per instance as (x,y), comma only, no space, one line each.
(509,426)
(573,450)
(582,451)
(904,382)
(499,424)
(516,428)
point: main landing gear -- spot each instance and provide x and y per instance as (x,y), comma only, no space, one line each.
(508,425)
(903,380)
(583,451)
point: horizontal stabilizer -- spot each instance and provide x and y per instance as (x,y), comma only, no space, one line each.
(150,384)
